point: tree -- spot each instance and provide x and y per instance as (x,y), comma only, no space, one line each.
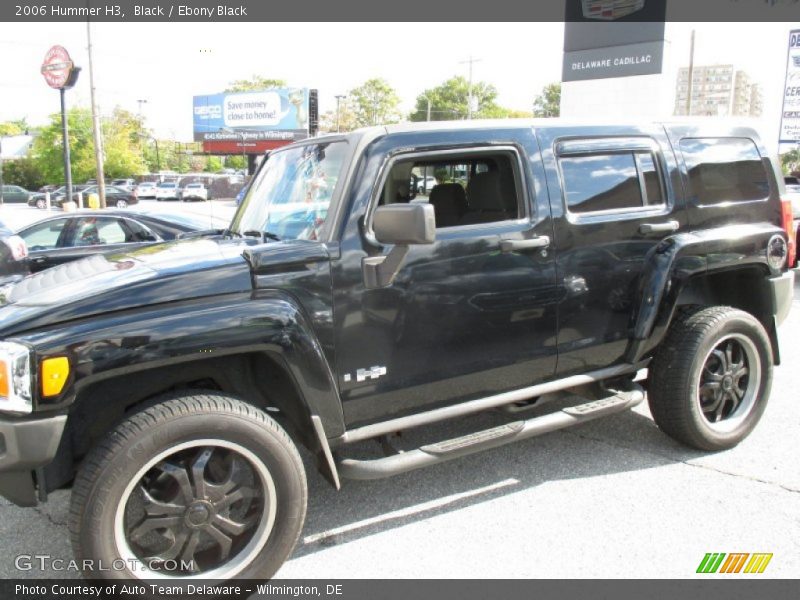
(48,147)
(24,172)
(374,102)
(548,103)
(213,164)
(347,119)
(122,145)
(256,82)
(449,101)
(790,161)
(10,128)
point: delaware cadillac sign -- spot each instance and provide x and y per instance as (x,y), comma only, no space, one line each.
(58,68)
(618,61)
(613,38)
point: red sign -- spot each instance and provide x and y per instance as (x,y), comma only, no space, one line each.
(57,67)
(234,147)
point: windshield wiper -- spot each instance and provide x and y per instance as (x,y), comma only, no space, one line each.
(262,235)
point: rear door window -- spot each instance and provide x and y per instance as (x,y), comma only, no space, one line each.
(44,236)
(724,170)
(94,231)
(615,180)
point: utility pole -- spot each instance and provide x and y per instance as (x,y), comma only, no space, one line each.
(339,98)
(98,136)
(470,62)
(429,108)
(691,75)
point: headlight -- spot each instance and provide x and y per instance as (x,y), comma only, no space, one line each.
(15,378)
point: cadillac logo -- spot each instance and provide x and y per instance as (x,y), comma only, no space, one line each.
(609,10)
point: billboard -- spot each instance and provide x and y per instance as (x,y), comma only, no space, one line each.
(262,115)
(790,115)
(613,38)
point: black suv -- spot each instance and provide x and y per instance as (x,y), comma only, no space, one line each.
(172,385)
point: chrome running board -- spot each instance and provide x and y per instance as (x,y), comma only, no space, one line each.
(439,452)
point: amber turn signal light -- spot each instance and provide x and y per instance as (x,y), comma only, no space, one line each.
(54,373)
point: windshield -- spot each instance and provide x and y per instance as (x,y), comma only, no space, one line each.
(290,197)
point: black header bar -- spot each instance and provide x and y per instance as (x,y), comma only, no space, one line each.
(371,10)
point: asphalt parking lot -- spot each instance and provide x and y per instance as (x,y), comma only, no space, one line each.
(611,498)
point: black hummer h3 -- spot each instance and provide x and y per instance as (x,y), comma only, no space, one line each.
(375,282)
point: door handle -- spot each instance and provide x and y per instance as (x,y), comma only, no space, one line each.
(666,227)
(540,241)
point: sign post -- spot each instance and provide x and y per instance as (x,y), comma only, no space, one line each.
(60,73)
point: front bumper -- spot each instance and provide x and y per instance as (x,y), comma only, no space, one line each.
(25,445)
(782,289)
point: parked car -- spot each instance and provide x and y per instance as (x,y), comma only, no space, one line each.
(39,198)
(125,184)
(167,190)
(424,183)
(171,385)
(792,183)
(146,189)
(193,191)
(13,256)
(115,196)
(64,238)
(15,193)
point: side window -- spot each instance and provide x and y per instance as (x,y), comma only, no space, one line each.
(93,231)
(611,180)
(724,170)
(44,236)
(464,190)
(138,232)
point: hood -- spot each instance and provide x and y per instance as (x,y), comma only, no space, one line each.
(174,271)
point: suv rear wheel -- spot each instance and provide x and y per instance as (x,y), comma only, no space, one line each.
(202,486)
(711,378)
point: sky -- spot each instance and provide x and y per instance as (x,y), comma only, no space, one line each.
(168,63)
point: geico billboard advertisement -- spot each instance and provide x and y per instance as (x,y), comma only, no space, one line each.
(274,114)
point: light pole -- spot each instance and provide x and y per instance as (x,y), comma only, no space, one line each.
(141,102)
(98,134)
(470,62)
(339,98)
(155,141)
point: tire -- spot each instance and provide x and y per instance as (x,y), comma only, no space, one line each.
(122,204)
(698,393)
(253,484)
(41,204)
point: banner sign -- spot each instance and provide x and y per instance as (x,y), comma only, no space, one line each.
(790,115)
(617,61)
(273,114)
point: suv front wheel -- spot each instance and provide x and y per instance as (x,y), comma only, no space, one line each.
(711,378)
(199,485)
